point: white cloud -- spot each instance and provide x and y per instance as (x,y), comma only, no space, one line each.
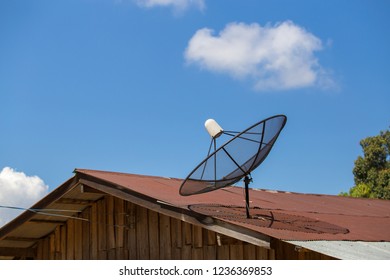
(178,5)
(275,57)
(18,189)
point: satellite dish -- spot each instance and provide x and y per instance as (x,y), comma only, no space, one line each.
(235,159)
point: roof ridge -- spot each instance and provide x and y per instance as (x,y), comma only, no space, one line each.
(88,171)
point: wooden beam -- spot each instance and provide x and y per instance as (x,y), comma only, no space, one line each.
(22,239)
(86,189)
(74,201)
(87,242)
(165,237)
(17,252)
(93,232)
(154,241)
(70,248)
(102,229)
(142,231)
(47,221)
(131,218)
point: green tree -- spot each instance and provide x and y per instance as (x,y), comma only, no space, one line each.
(372,170)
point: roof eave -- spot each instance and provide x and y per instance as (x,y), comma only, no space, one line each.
(41,204)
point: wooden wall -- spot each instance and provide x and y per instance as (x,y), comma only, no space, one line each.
(117,229)
(287,251)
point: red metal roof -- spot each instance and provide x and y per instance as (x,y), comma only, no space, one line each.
(282,215)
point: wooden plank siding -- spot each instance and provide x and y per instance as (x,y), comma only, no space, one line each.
(117,229)
(287,251)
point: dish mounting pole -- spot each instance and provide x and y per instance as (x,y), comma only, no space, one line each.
(247,181)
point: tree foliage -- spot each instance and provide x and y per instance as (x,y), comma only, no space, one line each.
(372,170)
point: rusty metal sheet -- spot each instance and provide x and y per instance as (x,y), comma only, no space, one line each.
(330,217)
(272,219)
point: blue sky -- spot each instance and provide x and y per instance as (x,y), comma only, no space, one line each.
(127,85)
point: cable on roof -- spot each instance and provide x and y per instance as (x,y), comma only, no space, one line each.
(45,212)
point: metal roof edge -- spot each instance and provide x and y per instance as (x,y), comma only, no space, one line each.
(88,171)
(347,250)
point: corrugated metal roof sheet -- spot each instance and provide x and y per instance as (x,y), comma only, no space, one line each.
(364,219)
(347,250)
